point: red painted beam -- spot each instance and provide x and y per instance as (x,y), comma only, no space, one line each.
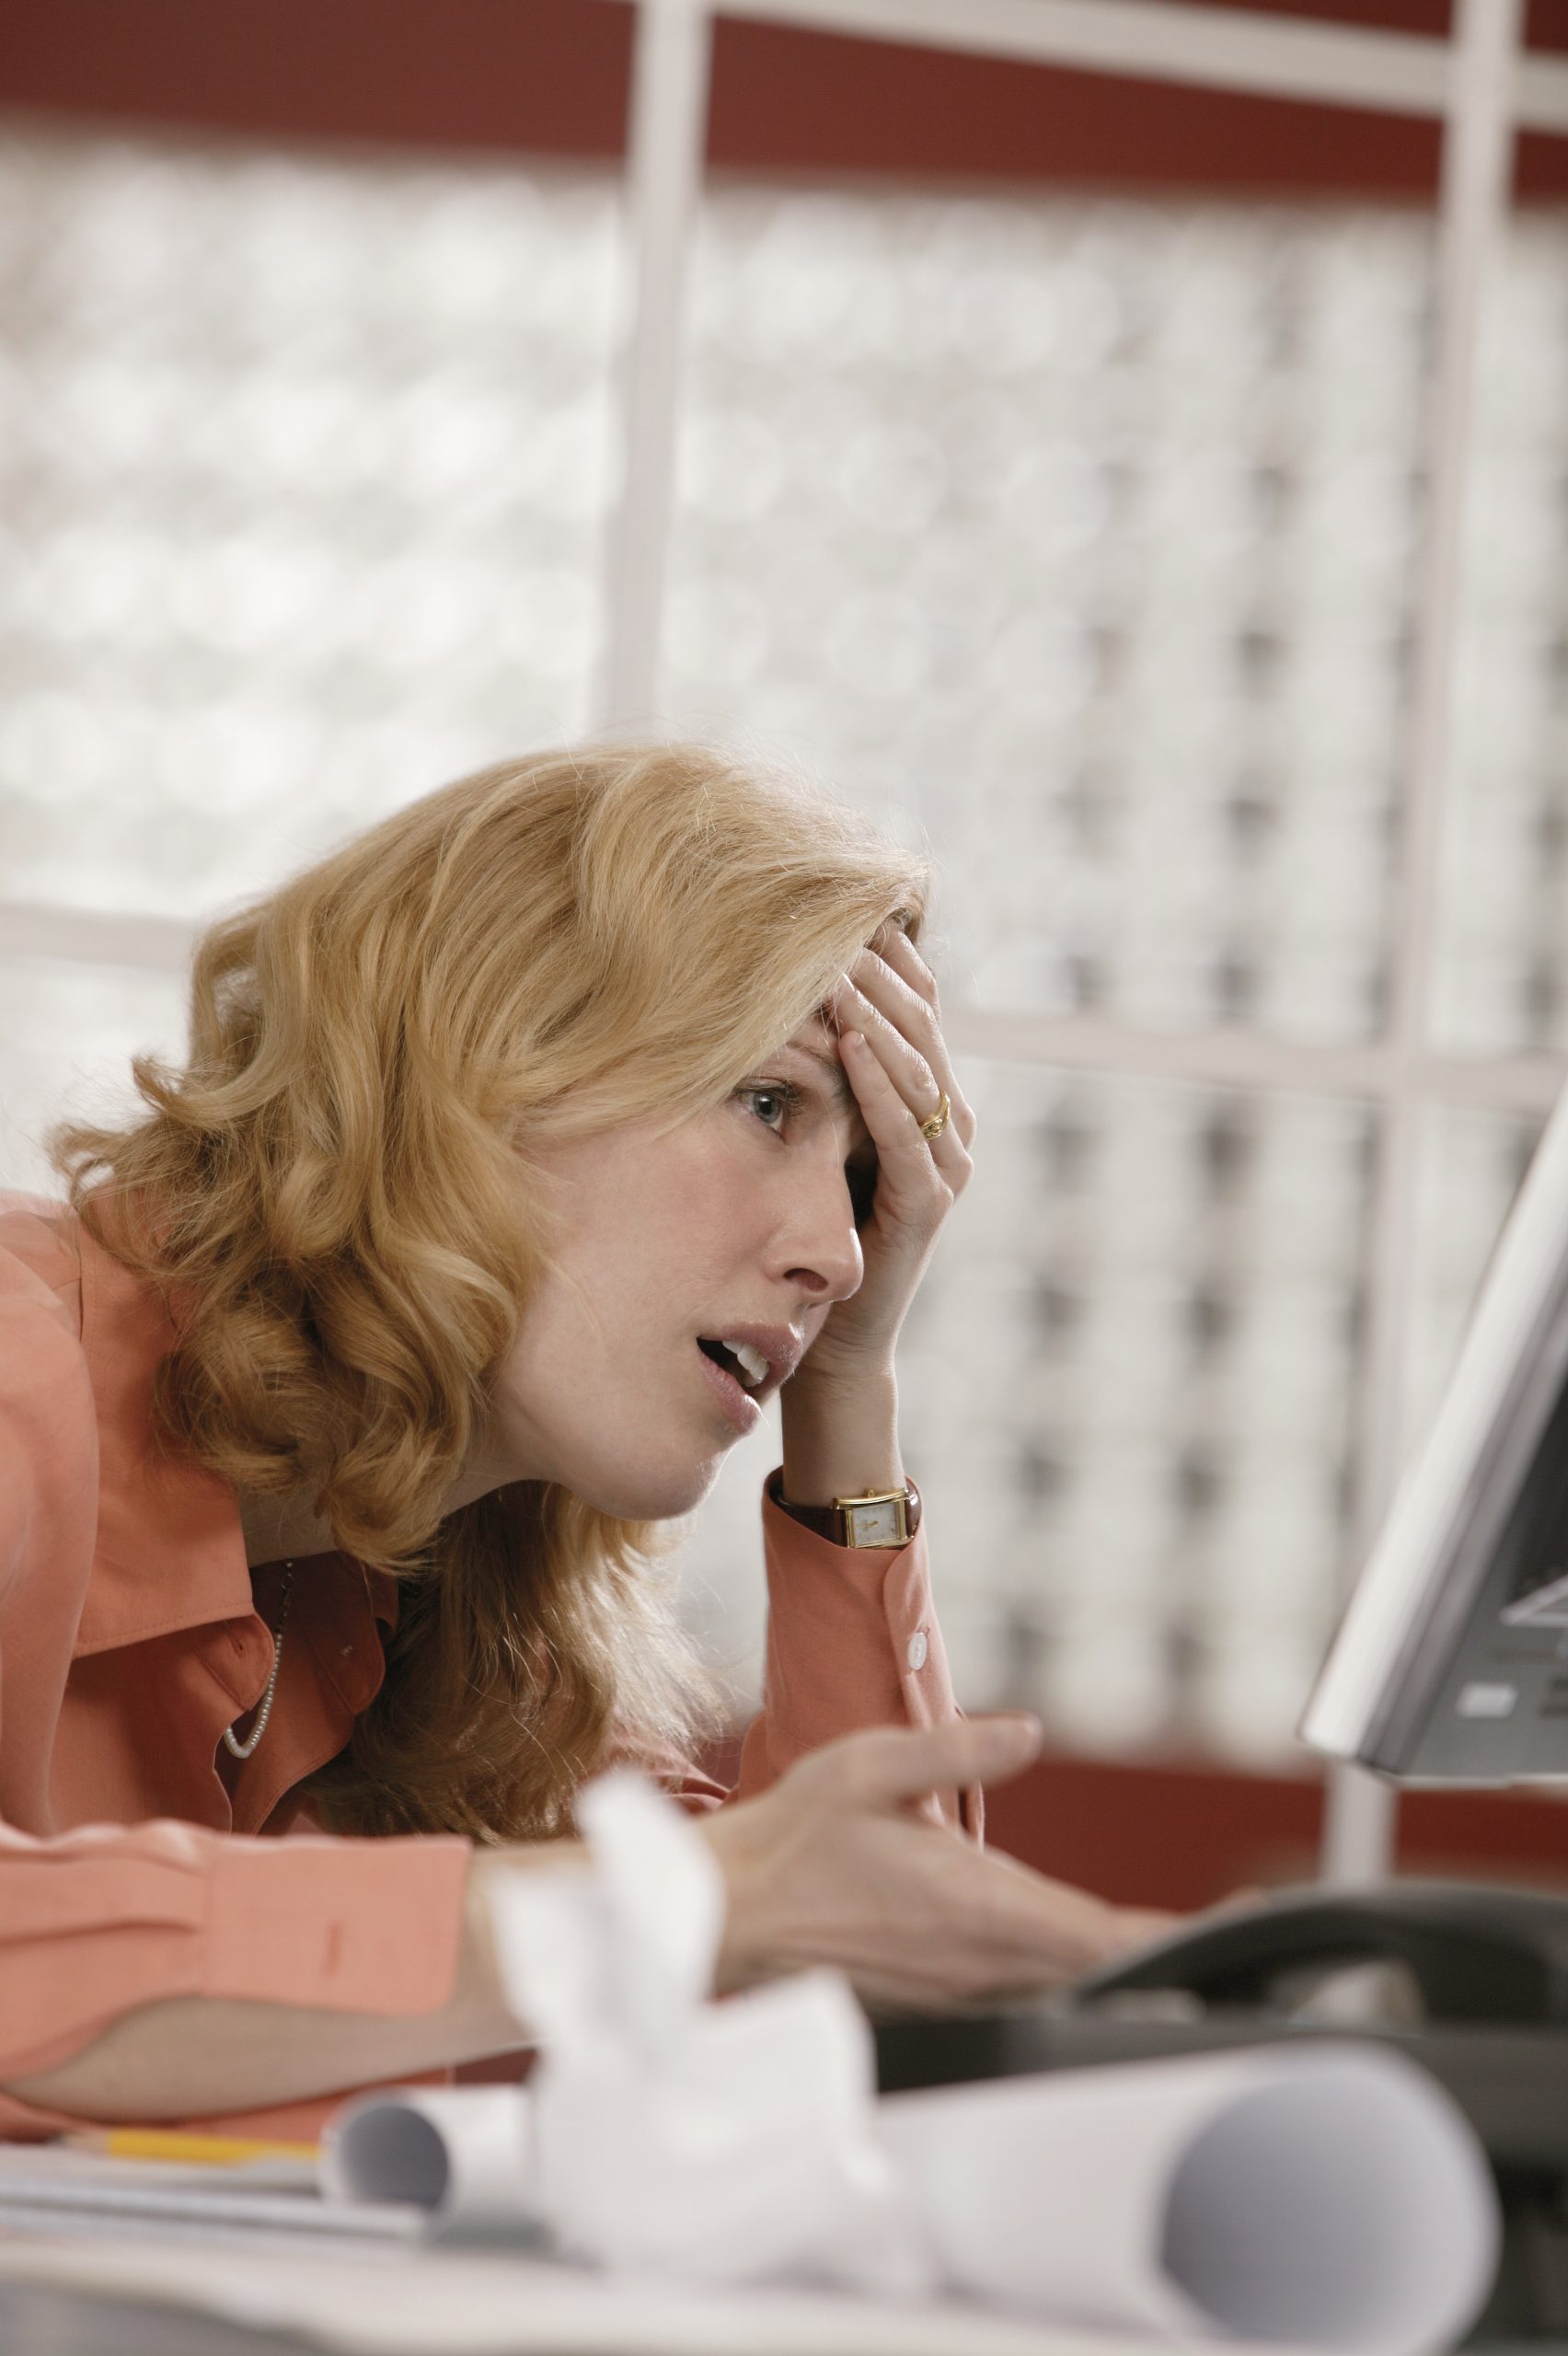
(1185,1834)
(538,76)
(786,100)
(551,77)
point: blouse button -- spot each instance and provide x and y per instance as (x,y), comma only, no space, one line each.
(915,1655)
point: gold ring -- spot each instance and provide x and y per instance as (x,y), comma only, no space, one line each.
(930,1130)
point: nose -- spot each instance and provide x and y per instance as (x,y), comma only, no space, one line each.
(815,1245)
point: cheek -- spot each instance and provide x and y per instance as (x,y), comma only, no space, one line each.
(709,1201)
(652,1235)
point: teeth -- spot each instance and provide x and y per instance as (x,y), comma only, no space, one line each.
(754,1365)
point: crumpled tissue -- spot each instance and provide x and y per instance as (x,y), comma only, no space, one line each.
(728,2141)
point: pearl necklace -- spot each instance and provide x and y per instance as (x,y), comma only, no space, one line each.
(264,1708)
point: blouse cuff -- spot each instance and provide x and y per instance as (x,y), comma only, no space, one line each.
(853,1642)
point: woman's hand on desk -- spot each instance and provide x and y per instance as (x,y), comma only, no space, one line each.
(836,1866)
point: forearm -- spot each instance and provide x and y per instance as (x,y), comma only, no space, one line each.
(840,1441)
(184,2057)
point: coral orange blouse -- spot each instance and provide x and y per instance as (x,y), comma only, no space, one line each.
(131,1869)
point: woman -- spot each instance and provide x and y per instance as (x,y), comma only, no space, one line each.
(523,1144)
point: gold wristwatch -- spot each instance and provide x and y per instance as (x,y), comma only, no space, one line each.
(880,1518)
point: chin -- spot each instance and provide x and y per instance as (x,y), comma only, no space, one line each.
(653,1493)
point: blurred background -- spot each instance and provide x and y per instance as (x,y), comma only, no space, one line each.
(1124,445)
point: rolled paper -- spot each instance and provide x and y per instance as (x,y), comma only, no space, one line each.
(465,2155)
(1326,2196)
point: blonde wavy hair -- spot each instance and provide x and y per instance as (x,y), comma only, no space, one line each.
(333,1193)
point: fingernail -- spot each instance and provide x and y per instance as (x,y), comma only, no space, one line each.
(1017,1735)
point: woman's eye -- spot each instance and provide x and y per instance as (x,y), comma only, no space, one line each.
(771,1105)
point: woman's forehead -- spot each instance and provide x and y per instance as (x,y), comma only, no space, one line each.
(817,1038)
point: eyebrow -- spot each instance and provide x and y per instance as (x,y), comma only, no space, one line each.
(841,1095)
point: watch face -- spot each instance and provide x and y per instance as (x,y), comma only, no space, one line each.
(878,1525)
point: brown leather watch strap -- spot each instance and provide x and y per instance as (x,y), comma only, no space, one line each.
(832,1522)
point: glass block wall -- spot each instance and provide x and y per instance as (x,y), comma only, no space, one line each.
(1078,539)
(1074,537)
(1083,529)
(303,474)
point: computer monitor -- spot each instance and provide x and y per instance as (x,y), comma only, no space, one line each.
(1451,1663)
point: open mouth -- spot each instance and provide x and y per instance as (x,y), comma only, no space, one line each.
(721,1355)
(731,1385)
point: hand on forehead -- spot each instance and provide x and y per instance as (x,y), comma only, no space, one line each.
(818,1038)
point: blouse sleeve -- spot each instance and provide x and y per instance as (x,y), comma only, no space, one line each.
(108,1917)
(852,1641)
(100,1920)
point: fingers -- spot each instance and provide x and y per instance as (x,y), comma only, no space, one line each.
(1141,1926)
(891,996)
(1037,1931)
(904,1061)
(896,1090)
(979,1927)
(834,1864)
(893,961)
(888,1767)
(912,1002)
(916,1176)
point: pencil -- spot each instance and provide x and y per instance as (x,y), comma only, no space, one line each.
(170,2143)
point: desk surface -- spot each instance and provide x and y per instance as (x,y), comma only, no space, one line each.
(163,2292)
(58,2323)
(61,2323)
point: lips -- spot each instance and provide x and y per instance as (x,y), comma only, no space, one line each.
(783,1348)
(738,1404)
(780,1345)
